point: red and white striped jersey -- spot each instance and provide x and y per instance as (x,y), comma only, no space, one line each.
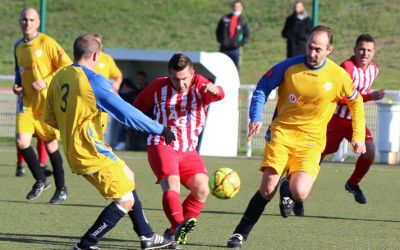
(362,82)
(184,113)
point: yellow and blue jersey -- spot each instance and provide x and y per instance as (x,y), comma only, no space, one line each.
(75,100)
(37,59)
(307,98)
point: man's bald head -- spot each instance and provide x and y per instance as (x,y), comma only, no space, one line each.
(29,22)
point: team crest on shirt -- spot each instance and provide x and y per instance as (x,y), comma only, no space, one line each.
(327,86)
(39,53)
(292,98)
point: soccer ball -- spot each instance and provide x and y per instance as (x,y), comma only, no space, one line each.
(224,183)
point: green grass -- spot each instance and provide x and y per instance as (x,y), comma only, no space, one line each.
(333,220)
(190,25)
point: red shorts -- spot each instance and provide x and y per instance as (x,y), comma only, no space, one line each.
(165,161)
(337,130)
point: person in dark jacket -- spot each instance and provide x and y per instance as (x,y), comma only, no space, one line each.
(233,32)
(297,26)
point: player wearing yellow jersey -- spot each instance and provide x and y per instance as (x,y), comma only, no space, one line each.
(37,59)
(109,69)
(309,88)
(76,98)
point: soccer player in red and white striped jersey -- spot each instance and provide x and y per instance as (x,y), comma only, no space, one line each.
(363,72)
(180,102)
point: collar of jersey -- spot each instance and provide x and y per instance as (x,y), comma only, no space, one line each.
(27,41)
(312,68)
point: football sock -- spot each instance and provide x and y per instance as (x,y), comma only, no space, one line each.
(58,171)
(140,224)
(362,167)
(285,189)
(20,158)
(192,207)
(33,163)
(172,208)
(108,218)
(42,153)
(250,217)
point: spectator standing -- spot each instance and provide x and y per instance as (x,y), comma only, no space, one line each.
(296,28)
(233,32)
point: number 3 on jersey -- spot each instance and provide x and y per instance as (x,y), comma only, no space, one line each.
(65,92)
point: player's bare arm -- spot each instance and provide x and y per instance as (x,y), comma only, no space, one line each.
(17,89)
(39,85)
(254,127)
(358,147)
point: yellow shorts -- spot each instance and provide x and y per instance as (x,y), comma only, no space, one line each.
(104,122)
(112,182)
(28,124)
(288,159)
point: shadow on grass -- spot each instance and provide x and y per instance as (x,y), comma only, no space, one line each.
(66,242)
(215,212)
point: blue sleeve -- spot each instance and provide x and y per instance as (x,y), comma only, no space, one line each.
(120,110)
(17,79)
(269,81)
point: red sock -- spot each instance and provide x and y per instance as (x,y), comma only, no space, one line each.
(362,167)
(20,158)
(172,208)
(192,207)
(41,149)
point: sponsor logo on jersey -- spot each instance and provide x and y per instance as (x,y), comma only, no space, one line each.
(39,53)
(101,65)
(292,98)
(311,74)
(327,86)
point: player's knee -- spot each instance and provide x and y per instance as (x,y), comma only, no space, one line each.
(171,183)
(125,202)
(267,191)
(201,192)
(22,144)
(52,146)
(299,195)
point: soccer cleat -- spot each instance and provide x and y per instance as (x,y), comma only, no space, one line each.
(286,203)
(298,209)
(171,237)
(357,193)
(235,241)
(76,247)
(154,242)
(37,189)
(183,229)
(59,196)
(20,171)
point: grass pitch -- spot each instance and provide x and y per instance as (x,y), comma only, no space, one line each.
(333,219)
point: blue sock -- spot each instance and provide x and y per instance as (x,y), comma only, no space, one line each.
(250,217)
(108,218)
(140,223)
